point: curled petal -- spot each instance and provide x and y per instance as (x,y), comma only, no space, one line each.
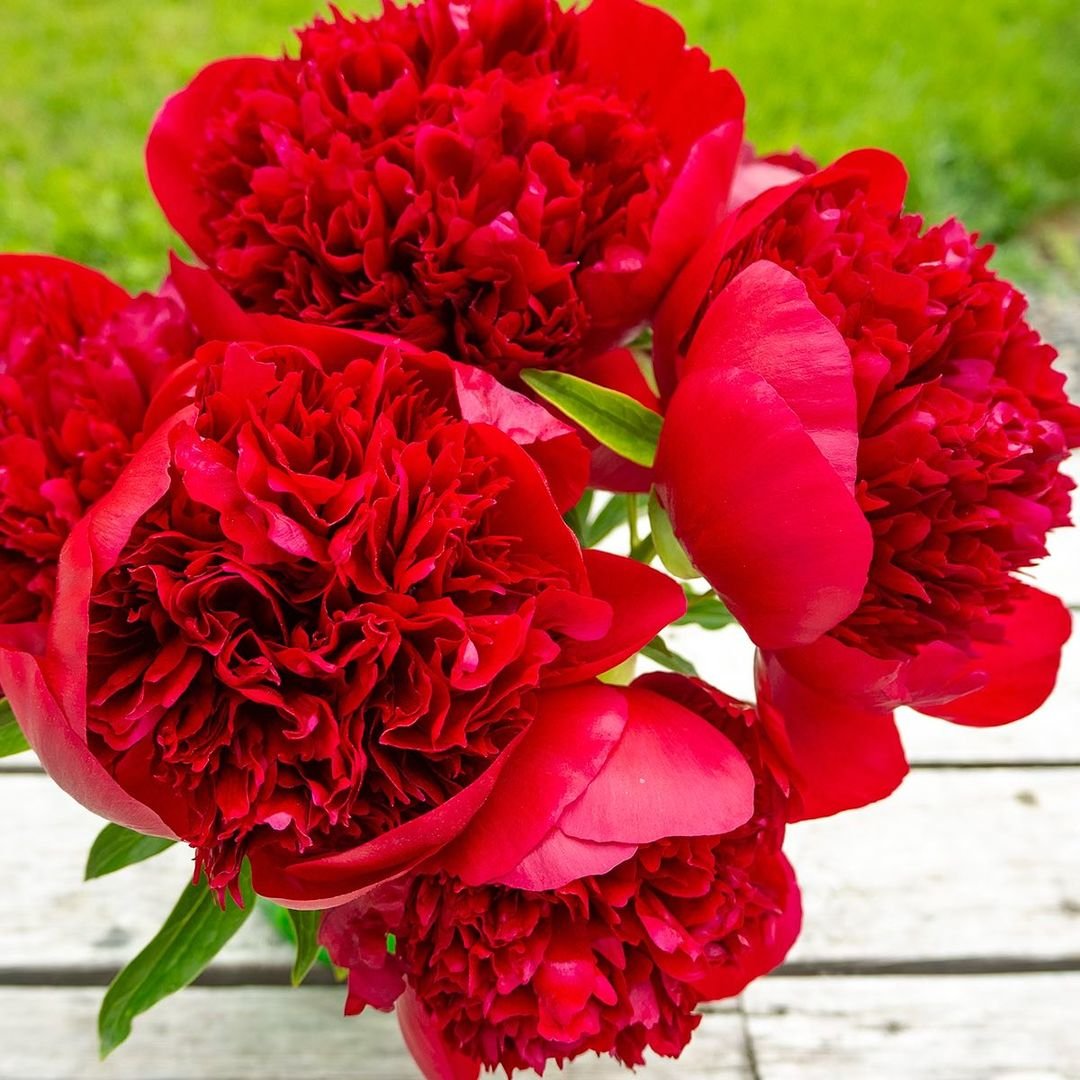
(643,600)
(843,755)
(1016,674)
(92,291)
(760,511)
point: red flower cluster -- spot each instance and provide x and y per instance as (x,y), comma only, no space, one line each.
(921,429)
(489,179)
(286,563)
(615,962)
(79,362)
(322,600)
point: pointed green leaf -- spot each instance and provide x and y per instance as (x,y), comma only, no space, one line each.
(305,926)
(117,847)
(671,552)
(194,933)
(12,740)
(706,610)
(658,652)
(615,419)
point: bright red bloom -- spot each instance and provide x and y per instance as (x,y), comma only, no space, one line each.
(504,180)
(322,599)
(79,361)
(909,430)
(614,962)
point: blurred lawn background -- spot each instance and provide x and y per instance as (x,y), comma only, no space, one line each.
(980,97)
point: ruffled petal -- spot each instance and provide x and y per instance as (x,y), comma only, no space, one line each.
(760,511)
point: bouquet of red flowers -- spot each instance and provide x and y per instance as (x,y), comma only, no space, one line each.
(307,566)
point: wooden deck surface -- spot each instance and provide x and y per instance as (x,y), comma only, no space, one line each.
(942,935)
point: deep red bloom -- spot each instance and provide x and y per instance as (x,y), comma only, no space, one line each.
(504,180)
(614,962)
(908,431)
(322,599)
(79,361)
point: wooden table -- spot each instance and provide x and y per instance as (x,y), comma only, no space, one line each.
(942,935)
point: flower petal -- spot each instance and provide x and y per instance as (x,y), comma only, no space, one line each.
(553,445)
(179,129)
(843,756)
(644,602)
(760,511)
(764,322)
(436,1058)
(1017,673)
(671,774)
(573,734)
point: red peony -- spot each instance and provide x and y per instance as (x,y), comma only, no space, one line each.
(510,182)
(316,609)
(79,361)
(615,962)
(909,430)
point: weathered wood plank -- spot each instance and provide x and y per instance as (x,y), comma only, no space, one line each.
(49,1034)
(959,864)
(953,1028)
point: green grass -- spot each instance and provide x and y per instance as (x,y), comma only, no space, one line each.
(980,97)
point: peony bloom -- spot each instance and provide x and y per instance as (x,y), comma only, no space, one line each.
(312,617)
(539,966)
(508,182)
(908,429)
(79,361)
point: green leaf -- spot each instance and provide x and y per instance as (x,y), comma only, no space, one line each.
(658,652)
(117,847)
(671,552)
(305,926)
(194,933)
(12,740)
(706,610)
(577,517)
(617,420)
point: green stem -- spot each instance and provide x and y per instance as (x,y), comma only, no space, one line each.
(632,520)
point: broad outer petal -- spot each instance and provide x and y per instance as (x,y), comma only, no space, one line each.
(765,950)
(62,749)
(644,602)
(178,131)
(574,733)
(843,756)
(436,1058)
(760,511)
(48,693)
(559,859)
(765,322)
(1018,673)
(671,774)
